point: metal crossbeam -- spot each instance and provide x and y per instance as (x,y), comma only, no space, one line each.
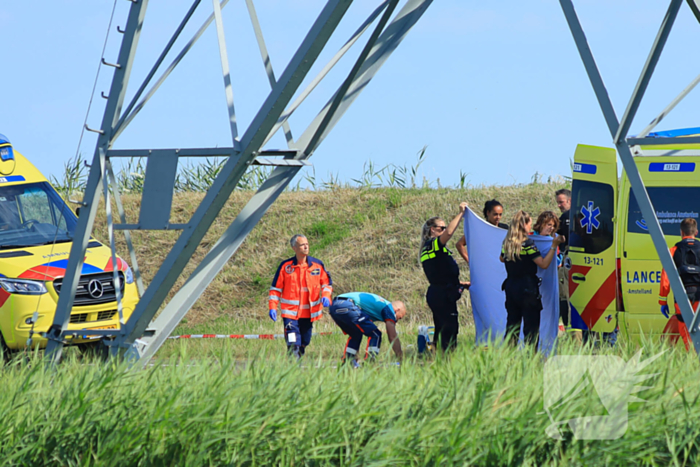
(647,71)
(223,54)
(233,170)
(187,152)
(267,62)
(161,168)
(695,8)
(381,46)
(280,162)
(618,132)
(669,108)
(86,221)
(133,110)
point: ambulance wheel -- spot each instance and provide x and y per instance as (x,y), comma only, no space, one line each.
(94,350)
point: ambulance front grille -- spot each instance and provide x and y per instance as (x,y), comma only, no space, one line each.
(102,282)
(86,317)
(79,317)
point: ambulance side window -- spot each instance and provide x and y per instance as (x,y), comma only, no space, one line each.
(672,205)
(592,212)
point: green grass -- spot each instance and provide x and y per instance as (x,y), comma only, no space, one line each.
(234,402)
(325,233)
(479,407)
(368,238)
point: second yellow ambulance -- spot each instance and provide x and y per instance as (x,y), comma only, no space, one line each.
(614,268)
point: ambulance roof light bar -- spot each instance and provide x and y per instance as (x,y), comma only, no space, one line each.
(6,151)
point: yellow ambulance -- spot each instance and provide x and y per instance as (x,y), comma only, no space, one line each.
(36,232)
(614,269)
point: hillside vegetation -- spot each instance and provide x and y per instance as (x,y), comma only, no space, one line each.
(367,238)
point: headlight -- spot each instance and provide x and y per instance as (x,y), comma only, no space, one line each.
(23,286)
(129,275)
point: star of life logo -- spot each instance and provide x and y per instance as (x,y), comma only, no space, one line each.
(614,381)
(590,217)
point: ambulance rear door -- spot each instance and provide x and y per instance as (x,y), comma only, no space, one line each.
(593,281)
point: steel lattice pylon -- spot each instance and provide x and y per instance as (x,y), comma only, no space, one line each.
(247,149)
(619,129)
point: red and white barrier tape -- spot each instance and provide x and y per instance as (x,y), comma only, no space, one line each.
(239,336)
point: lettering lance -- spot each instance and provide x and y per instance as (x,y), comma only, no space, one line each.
(644,277)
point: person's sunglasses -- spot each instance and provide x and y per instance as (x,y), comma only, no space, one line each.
(440,227)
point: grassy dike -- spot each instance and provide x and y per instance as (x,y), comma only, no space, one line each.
(367,238)
(244,403)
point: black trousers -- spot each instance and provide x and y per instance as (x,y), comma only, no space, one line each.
(693,293)
(443,303)
(564,311)
(523,304)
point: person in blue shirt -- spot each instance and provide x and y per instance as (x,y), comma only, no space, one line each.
(355,313)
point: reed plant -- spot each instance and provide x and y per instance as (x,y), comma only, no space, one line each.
(197,176)
(477,407)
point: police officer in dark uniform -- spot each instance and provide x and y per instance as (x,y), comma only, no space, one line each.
(443,274)
(522,286)
(563,199)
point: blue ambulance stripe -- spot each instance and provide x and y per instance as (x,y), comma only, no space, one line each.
(63,264)
(576,320)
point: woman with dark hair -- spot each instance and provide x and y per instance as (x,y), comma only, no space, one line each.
(522,286)
(493,212)
(443,275)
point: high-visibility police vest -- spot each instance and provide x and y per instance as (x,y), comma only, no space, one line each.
(287,291)
(439,266)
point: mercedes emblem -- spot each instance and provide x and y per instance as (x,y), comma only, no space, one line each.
(95,288)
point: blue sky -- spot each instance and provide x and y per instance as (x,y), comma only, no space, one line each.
(494,89)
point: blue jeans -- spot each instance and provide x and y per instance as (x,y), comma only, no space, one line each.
(297,334)
(355,323)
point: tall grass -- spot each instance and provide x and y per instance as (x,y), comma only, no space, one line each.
(198,176)
(479,407)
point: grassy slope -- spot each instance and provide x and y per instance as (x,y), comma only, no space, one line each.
(481,407)
(367,238)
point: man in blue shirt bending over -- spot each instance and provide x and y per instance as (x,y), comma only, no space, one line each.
(354,313)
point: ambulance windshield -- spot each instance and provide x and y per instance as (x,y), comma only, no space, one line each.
(33,214)
(672,205)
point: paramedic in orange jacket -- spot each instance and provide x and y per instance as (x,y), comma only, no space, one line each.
(686,254)
(301,288)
